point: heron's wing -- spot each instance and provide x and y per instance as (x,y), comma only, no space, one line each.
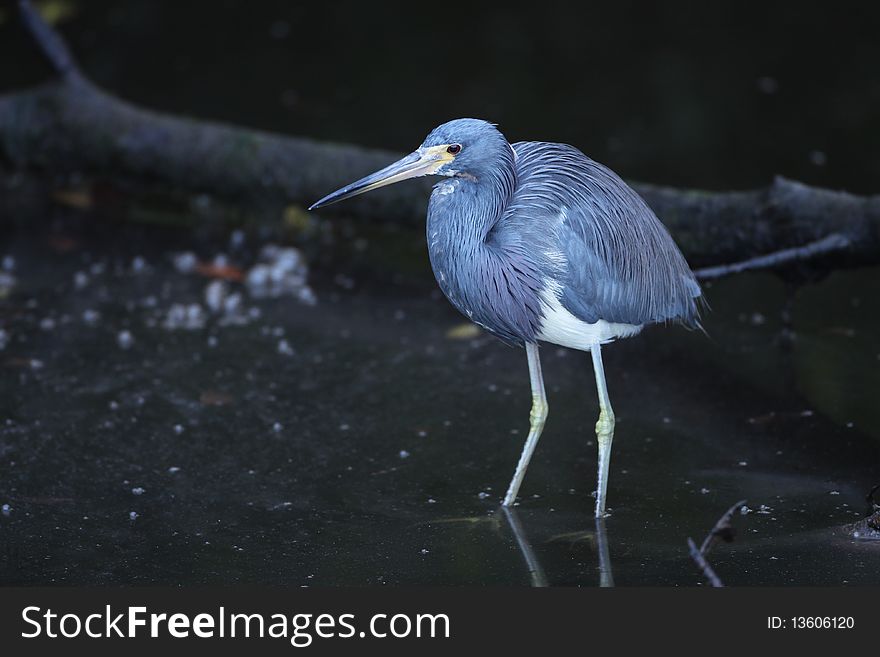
(610,256)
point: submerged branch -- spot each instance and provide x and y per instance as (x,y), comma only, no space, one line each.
(72,126)
(722,530)
(707,570)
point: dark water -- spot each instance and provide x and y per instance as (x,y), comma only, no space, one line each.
(368,439)
(378,450)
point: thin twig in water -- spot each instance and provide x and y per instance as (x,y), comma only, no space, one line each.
(703,565)
(828,244)
(50,42)
(721,530)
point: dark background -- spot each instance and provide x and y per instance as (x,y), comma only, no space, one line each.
(717,95)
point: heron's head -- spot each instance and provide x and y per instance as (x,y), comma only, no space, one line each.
(464,148)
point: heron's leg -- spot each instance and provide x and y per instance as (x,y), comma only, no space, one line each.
(604,430)
(537,417)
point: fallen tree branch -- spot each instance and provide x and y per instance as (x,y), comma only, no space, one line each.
(723,530)
(827,245)
(72,126)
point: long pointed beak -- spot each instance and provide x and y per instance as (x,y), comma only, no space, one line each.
(419,163)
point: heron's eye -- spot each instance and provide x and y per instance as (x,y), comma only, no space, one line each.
(453,148)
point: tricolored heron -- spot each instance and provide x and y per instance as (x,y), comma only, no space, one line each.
(535,242)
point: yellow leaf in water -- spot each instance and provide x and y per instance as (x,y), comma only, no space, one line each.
(465,331)
(81,199)
(297,218)
(57,11)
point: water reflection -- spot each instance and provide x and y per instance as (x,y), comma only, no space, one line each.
(606,578)
(536,571)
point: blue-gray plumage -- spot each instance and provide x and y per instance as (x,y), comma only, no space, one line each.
(536,242)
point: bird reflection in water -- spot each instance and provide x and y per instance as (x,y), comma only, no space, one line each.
(597,539)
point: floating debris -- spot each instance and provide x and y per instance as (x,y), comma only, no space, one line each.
(215,398)
(91,317)
(7,282)
(125,339)
(139,265)
(284,348)
(185,262)
(178,429)
(233,306)
(215,295)
(280,271)
(6,510)
(173,469)
(47,324)
(80,280)
(236,239)
(186,317)
(464,331)
(220,268)
(229,305)
(133,515)
(277,427)
(137,490)
(403,454)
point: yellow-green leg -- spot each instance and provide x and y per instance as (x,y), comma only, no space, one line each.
(604,430)
(537,417)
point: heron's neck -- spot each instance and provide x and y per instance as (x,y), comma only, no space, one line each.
(464,209)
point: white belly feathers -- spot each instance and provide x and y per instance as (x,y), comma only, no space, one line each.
(561,327)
